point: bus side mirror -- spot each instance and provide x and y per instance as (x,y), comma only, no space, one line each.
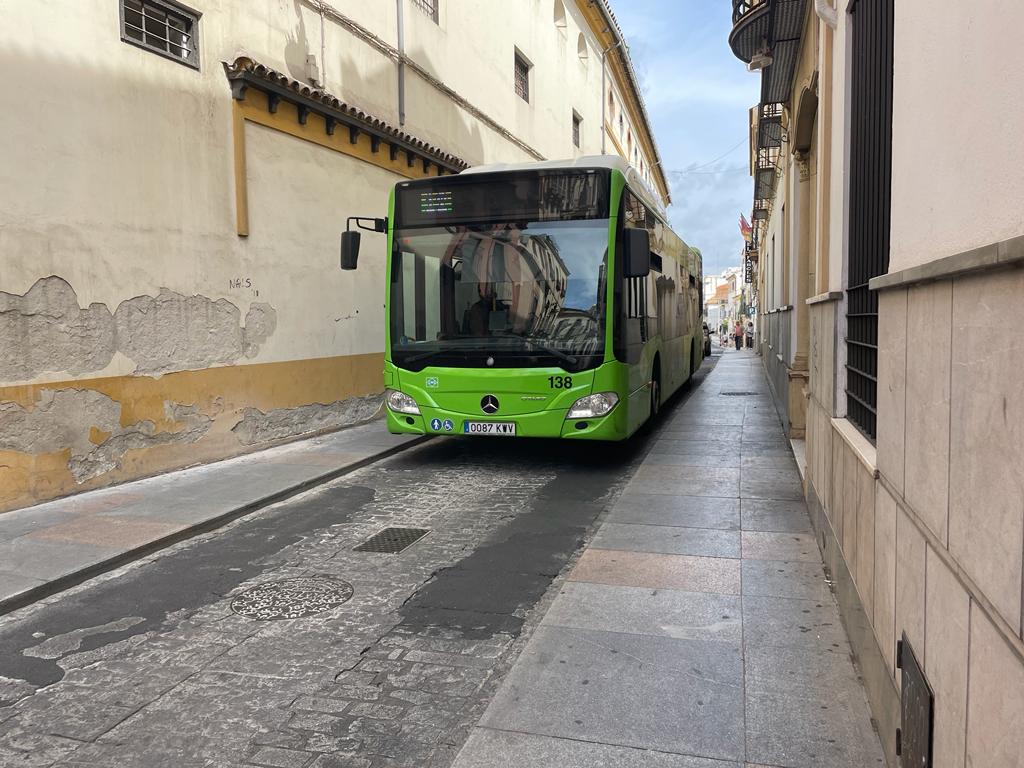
(349,249)
(636,253)
(350,238)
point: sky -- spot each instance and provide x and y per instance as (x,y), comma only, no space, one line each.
(697,95)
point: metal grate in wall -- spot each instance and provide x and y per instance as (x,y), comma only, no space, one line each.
(870,202)
(429,7)
(522,78)
(162,27)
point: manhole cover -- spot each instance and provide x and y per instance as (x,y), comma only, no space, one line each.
(738,394)
(392,540)
(291,598)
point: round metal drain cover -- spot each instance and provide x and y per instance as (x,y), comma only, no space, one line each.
(291,598)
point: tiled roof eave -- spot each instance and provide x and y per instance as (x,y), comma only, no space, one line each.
(244,73)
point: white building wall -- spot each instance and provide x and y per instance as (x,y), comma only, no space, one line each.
(957,117)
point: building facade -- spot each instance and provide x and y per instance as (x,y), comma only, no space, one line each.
(169,223)
(889,244)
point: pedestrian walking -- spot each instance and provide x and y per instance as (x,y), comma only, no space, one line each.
(738,333)
(750,334)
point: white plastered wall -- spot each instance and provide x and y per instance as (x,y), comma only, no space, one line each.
(122,182)
(957,117)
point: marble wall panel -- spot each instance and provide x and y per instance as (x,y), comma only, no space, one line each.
(852,469)
(986,527)
(892,384)
(947,613)
(864,572)
(822,353)
(810,445)
(995,706)
(828,394)
(929,322)
(826,449)
(884,601)
(835,507)
(910,582)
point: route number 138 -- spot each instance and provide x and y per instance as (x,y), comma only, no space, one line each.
(560,382)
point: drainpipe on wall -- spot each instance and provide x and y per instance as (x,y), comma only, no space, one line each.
(604,101)
(401,61)
(826,12)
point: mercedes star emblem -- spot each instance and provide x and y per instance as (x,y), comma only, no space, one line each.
(489,404)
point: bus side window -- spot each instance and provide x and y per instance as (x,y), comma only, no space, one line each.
(636,307)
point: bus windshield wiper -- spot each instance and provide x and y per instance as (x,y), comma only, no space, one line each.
(412,359)
(556,353)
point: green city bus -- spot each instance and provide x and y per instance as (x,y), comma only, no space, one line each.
(537,300)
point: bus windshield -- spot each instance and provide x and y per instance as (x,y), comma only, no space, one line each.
(505,294)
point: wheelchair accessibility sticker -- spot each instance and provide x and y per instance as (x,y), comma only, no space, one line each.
(447,425)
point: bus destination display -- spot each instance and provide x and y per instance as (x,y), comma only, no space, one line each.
(514,197)
(439,202)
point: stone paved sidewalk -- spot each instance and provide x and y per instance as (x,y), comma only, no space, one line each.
(54,545)
(698,629)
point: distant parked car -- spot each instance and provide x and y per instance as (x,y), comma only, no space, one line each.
(707,341)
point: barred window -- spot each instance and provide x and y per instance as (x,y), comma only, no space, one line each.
(429,7)
(576,121)
(163,27)
(522,76)
(870,174)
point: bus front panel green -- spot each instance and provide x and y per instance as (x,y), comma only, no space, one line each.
(535,400)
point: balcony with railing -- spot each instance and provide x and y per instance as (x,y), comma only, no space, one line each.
(766,35)
(750,26)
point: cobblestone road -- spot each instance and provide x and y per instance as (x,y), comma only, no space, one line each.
(150,666)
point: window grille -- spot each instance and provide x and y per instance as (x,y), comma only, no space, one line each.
(870,193)
(576,120)
(162,27)
(522,75)
(429,7)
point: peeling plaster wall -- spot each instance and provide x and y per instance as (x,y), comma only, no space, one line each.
(87,424)
(91,433)
(45,331)
(258,427)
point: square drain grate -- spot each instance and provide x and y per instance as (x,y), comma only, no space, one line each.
(392,540)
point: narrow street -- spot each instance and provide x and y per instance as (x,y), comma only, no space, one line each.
(158,663)
(552,384)
(149,665)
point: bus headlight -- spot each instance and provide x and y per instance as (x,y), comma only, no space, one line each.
(593,406)
(399,402)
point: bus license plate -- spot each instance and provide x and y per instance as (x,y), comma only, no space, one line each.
(495,428)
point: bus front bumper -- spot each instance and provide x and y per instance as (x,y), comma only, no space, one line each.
(550,423)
